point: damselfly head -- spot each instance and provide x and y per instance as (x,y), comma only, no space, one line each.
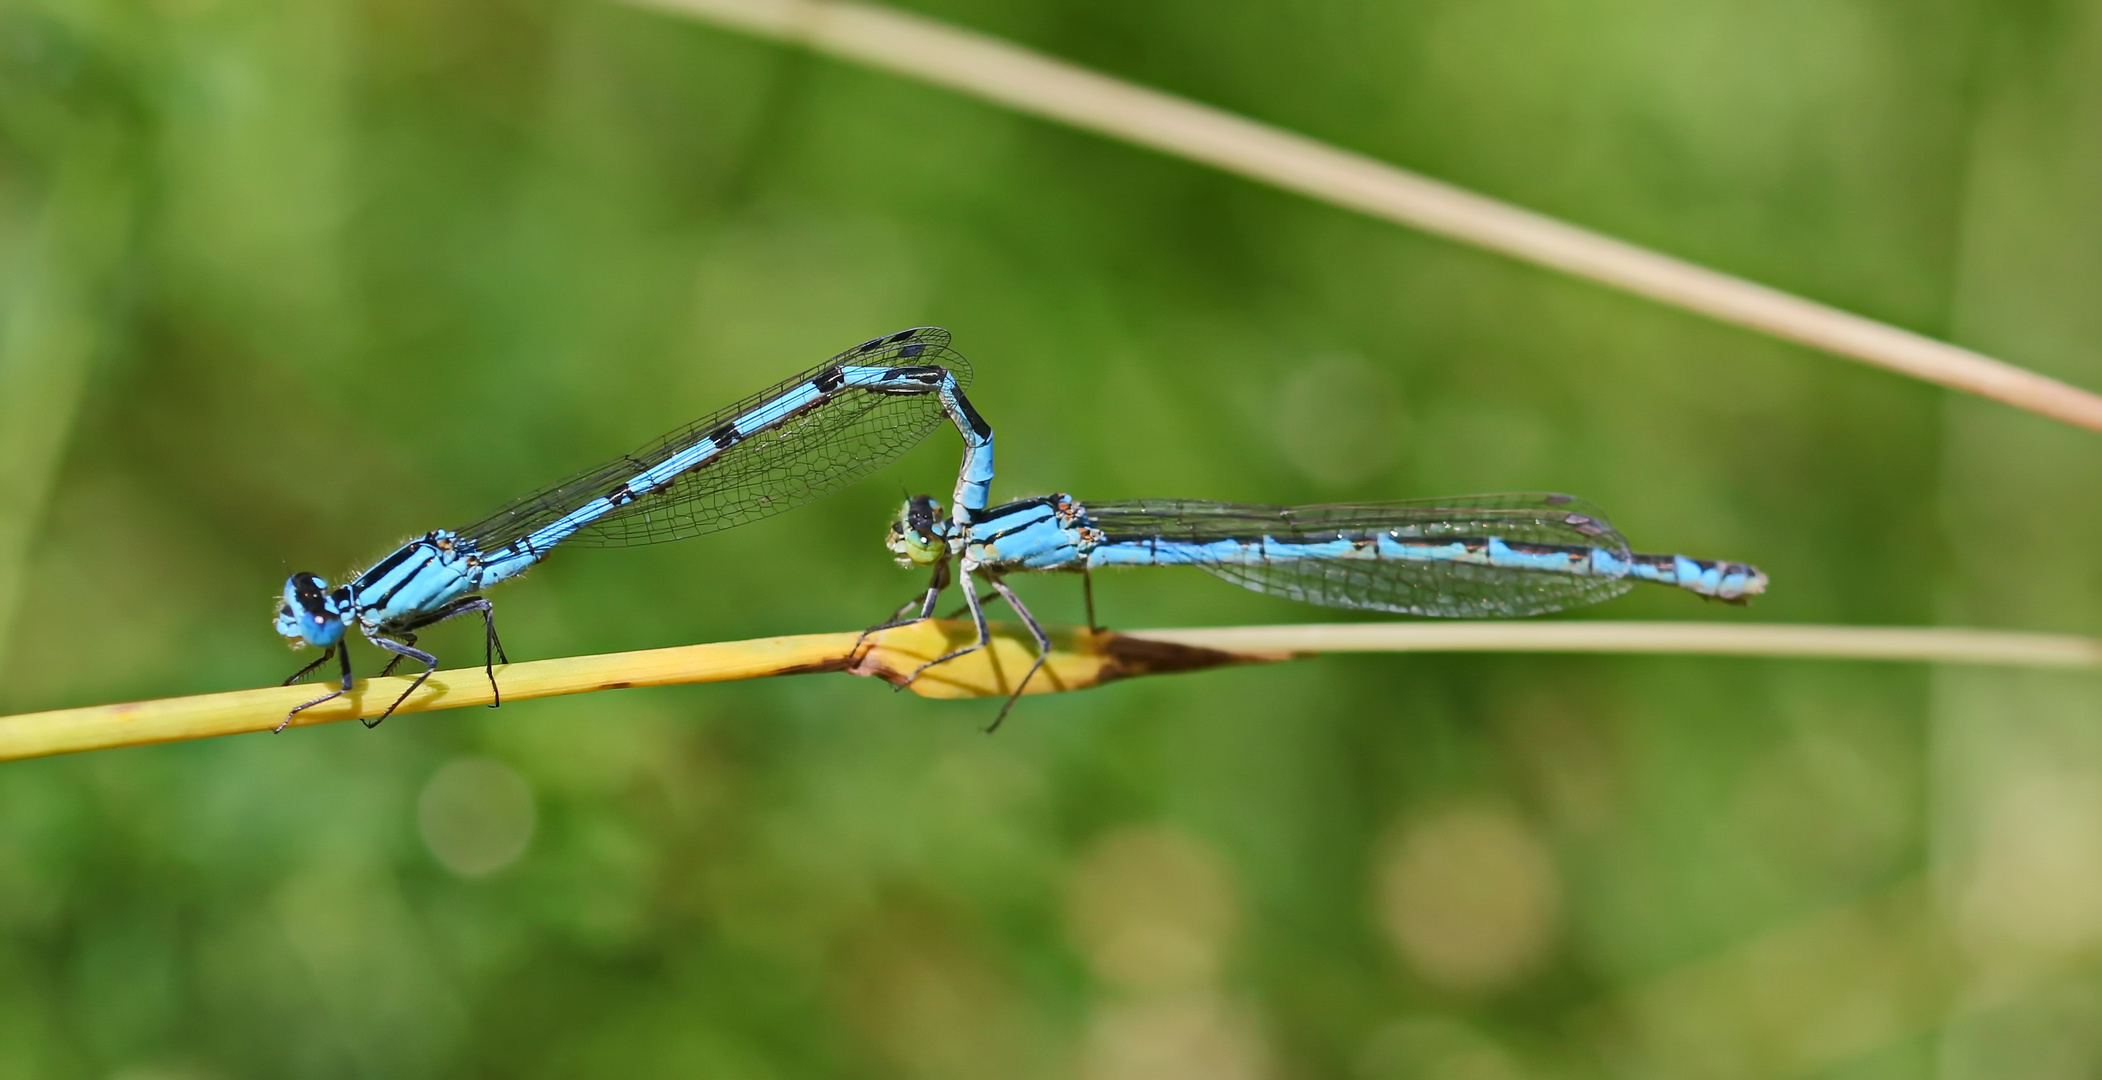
(917,537)
(308,613)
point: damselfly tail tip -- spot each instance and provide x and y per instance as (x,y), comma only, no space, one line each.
(1740,583)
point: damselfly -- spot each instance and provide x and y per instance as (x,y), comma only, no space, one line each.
(1471,557)
(773,451)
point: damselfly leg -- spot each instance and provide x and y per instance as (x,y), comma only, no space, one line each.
(976,605)
(343,654)
(983,599)
(400,650)
(326,655)
(492,646)
(985,635)
(924,602)
(1043,648)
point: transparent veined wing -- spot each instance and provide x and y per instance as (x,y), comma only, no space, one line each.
(805,457)
(1440,587)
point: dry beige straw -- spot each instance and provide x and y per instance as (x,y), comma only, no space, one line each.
(1900,643)
(1030,82)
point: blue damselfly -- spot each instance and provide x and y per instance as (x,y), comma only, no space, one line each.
(773,451)
(1494,556)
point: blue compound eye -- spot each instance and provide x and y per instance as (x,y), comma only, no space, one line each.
(306,613)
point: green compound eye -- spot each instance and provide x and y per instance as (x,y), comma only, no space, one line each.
(922,550)
(913,536)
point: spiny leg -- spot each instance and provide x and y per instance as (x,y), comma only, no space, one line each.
(492,647)
(326,655)
(935,585)
(342,651)
(406,639)
(1043,648)
(933,595)
(983,598)
(1087,594)
(926,600)
(429,662)
(985,634)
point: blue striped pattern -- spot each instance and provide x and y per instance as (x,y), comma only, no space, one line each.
(1469,557)
(1502,555)
(1474,556)
(771,452)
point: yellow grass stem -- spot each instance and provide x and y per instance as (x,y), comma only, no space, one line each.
(1006,74)
(136,723)
(1079,659)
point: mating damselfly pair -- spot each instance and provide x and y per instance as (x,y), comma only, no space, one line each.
(1476,556)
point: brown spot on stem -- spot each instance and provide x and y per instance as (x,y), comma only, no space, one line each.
(1129,657)
(820,667)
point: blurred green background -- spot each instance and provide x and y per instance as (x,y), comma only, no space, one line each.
(285,283)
